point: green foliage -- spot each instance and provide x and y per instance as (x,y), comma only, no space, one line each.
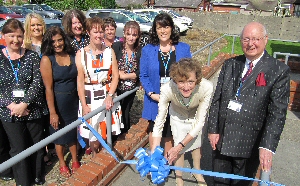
(80,4)
(20,2)
(134,6)
(60,4)
(272,46)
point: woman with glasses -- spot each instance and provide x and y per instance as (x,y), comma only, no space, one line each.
(164,49)
(186,98)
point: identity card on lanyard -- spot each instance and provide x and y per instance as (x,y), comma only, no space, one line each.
(16,92)
(234,104)
(165,79)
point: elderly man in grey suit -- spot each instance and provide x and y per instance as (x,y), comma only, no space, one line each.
(248,110)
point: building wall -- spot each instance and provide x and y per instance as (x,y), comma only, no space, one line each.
(217,8)
(285,28)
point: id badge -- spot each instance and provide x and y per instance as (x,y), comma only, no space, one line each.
(164,80)
(18,93)
(234,105)
(96,63)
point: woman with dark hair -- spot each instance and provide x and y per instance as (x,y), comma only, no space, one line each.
(59,75)
(22,102)
(98,79)
(163,50)
(74,26)
(186,98)
(128,55)
(110,27)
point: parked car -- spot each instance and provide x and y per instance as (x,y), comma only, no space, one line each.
(56,13)
(6,13)
(37,9)
(20,10)
(121,17)
(186,20)
(48,22)
(182,28)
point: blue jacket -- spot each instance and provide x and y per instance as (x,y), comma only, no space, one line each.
(149,74)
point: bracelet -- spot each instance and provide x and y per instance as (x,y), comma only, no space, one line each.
(181,144)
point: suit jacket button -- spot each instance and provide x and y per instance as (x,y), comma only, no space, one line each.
(245,110)
(242,125)
(255,94)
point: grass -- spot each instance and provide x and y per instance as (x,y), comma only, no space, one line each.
(272,46)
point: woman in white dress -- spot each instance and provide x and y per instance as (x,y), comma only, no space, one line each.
(98,77)
(187,96)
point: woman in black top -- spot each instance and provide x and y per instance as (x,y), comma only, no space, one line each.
(128,53)
(22,102)
(74,27)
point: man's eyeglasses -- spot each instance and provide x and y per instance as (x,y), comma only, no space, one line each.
(254,40)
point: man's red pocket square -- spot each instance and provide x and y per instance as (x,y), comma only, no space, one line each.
(260,80)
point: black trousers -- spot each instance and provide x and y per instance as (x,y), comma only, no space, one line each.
(126,105)
(4,151)
(22,135)
(234,165)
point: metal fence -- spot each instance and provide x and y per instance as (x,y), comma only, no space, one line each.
(12,161)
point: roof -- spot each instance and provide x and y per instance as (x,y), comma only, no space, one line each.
(180,3)
(262,5)
(125,3)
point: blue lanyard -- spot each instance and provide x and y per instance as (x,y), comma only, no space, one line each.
(15,70)
(238,92)
(127,63)
(77,44)
(101,56)
(166,62)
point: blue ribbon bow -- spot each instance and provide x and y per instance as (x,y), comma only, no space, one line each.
(157,165)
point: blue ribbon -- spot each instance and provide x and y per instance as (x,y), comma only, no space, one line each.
(157,165)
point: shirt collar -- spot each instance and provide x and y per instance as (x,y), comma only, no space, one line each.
(254,62)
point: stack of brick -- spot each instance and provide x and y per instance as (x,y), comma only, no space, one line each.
(294,66)
(215,64)
(102,169)
(294,104)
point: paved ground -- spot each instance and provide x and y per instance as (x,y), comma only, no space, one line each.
(285,167)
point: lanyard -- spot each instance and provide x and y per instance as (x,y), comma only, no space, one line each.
(127,63)
(95,62)
(77,44)
(15,70)
(166,62)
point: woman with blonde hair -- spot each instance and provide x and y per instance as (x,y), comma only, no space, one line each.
(35,29)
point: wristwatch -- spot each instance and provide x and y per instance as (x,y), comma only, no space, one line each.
(110,94)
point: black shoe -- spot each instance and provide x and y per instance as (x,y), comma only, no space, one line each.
(38,181)
(6,178)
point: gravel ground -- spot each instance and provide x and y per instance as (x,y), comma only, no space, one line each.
(196,38)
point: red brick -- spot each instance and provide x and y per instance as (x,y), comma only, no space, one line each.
(122,150)
(107,160)
(73,181)
(86,177)
(99,170)
(53,184)
(294,86)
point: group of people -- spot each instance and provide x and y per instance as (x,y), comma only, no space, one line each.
(51,76)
